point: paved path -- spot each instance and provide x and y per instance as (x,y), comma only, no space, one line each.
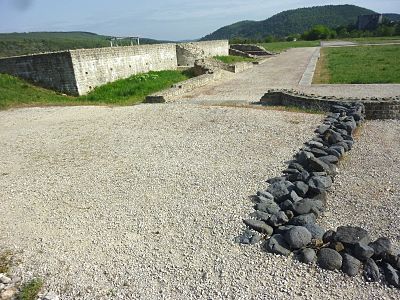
(282,71)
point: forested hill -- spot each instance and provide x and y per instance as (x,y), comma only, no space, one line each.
(12,44)
(291,22)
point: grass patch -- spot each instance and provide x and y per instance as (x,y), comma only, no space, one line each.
(360,65)
(30,290)
(231,59)
(321,74)
(135,88)
(15,92)
(374,40)
(5,261)
(280,46)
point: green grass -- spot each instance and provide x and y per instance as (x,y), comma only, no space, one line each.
(15,92)
(231,59)
(135,88)
(374,40)
(30,290)
(281,46)
(363,64)
(5,261)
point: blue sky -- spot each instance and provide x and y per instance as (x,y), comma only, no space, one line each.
(167,19)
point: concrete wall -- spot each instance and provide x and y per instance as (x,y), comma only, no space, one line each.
(188,53)
(77,72)
(95,67)
(50,70)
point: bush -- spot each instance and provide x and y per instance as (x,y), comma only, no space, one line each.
(319,32)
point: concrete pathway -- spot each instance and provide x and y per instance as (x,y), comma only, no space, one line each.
(283,70)
(292,69)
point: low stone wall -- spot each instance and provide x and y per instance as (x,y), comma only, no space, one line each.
(172,93)
(375,108)
(286,212)
(253,50)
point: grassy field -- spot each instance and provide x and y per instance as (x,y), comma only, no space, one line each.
(15,92)
(374,40)
(281,46)
(230,59)
(363,64)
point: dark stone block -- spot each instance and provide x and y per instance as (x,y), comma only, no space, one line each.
(277,244)
(303,220)
(259,226)
(351,235)
(351,265)
(329,259)
(371,271)
(298,237)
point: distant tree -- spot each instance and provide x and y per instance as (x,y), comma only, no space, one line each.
(319,32)
(397,29)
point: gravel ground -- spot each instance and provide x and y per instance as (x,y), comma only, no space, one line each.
(143,202)
(367,190)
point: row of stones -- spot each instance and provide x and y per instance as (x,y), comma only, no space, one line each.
(285,213)
(334,98)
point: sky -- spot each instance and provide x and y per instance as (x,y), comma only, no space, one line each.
(164,20)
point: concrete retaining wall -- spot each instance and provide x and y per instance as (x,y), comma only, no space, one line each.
(188,53)
(50,70)
(95,67)
(77,72)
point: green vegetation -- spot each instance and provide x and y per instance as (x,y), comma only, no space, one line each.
(292,22)
(230,59)
(15,92)
(374,40)
(280,46)
(364,64)
(319,32)
(13,44)
(30,290)
(5,261)
(135,88)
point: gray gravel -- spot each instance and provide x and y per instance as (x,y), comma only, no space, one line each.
(143,202)
(367,191)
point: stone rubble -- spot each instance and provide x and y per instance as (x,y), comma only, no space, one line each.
(300,195)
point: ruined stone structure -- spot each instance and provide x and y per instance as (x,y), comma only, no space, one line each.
(77,72)
(248,50)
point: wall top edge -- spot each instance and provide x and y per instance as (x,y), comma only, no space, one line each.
(37,54)
(103,49)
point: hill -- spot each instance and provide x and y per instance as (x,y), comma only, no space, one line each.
(292,21)
(392,17)
(12,44)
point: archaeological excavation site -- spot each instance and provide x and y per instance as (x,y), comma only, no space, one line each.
(252,176)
